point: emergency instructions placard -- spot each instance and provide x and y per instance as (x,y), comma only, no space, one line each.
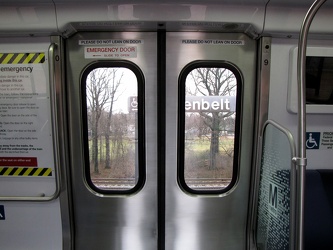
(26,146)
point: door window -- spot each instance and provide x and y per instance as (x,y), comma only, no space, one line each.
(113,127)
(208,126)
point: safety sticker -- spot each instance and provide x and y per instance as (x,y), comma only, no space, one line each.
(25,171)
(22,58)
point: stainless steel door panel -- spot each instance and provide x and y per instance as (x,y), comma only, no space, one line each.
(115,222)
(131,221)
(208,222)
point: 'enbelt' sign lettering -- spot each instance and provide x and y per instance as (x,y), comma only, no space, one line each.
(210,103)
(198,104)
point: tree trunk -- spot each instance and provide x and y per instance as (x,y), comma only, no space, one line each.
(214,142)
(95,148)
(107,151)
(107,136)
(95,154)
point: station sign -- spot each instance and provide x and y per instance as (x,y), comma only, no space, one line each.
(132,104)
(210,104)
(197,104)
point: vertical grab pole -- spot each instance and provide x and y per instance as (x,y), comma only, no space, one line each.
(301,160)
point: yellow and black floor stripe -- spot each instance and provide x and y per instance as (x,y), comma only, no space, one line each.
(22,58)
(23,171)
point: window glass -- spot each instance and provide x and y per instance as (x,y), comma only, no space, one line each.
(319,80)
(111,97)
(209,125)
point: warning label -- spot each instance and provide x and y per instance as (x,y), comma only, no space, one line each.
(213,42)
(110,52)
(18,161)
(25,172)
(22,58)
(100,42)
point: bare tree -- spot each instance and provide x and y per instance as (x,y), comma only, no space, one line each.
(213,82)
(119,130)
(114,84)
(97,92)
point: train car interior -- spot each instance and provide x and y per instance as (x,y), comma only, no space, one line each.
(166,125)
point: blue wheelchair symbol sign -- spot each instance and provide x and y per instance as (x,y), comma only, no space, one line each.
(312,140)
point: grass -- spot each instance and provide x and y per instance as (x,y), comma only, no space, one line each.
(200,145)
(196,160)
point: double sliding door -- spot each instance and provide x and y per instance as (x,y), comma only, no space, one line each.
(160,139)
